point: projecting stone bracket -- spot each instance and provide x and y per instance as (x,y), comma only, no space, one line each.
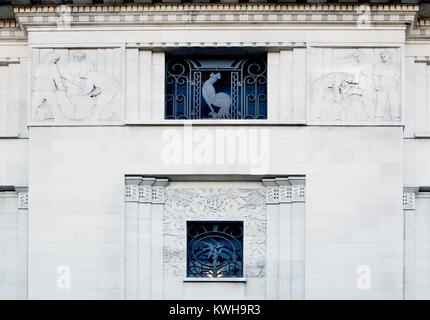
(145,190)
(22,197)
(285,190)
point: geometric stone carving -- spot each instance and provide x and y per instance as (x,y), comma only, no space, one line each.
(145,194)
(76,85)
(272,195)
(298,193)
(131,193)
(144,190)
(409,201)
(23,200)
(215,203)
(285,194)
(356,85)
(247,205)
(157,194)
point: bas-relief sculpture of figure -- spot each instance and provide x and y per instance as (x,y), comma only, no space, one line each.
(387,88)
(358,89)
(339,96)
(47,82)
(79,92)
(76,74)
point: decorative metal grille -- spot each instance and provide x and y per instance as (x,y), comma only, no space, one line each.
(215,249)
(216,88)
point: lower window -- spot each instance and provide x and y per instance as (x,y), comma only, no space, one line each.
(215,249)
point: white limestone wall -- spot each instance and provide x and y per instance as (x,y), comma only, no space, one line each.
(353,213)
(416,162)
(354,174)
(13,114)
(13,169)
(13,90)
(417,119)
(417,242)
(417,170)
(80,228)
(417,115)
(13,248)
(14,162)
(421,237)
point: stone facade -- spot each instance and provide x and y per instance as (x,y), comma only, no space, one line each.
(332,187)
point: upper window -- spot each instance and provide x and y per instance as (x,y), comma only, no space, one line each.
(216,87)
(215,249)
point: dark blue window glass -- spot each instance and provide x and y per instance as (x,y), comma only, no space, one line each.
(215,249)
(216,87)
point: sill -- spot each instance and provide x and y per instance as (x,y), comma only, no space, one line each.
(82,123)
(266,122)
(206,122)
(422,135)
(356,124)
(215,280)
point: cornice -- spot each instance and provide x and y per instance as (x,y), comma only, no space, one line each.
(132,14)
(10,30)
(217,7)
(421,31)
(126,15)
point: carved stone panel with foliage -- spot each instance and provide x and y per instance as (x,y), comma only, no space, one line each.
(215,204)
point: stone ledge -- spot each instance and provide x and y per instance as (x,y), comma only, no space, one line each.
(214,14)
(243,280)
(115,13)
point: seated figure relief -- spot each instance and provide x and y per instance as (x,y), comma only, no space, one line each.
(75,92)
(358,89)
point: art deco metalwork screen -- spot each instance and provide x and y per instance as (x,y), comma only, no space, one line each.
(215,249)
(216,87)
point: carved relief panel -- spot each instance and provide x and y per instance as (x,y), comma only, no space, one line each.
(360,85)
(215,205)
(77,85)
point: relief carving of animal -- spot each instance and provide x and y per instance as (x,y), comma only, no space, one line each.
(213,99)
